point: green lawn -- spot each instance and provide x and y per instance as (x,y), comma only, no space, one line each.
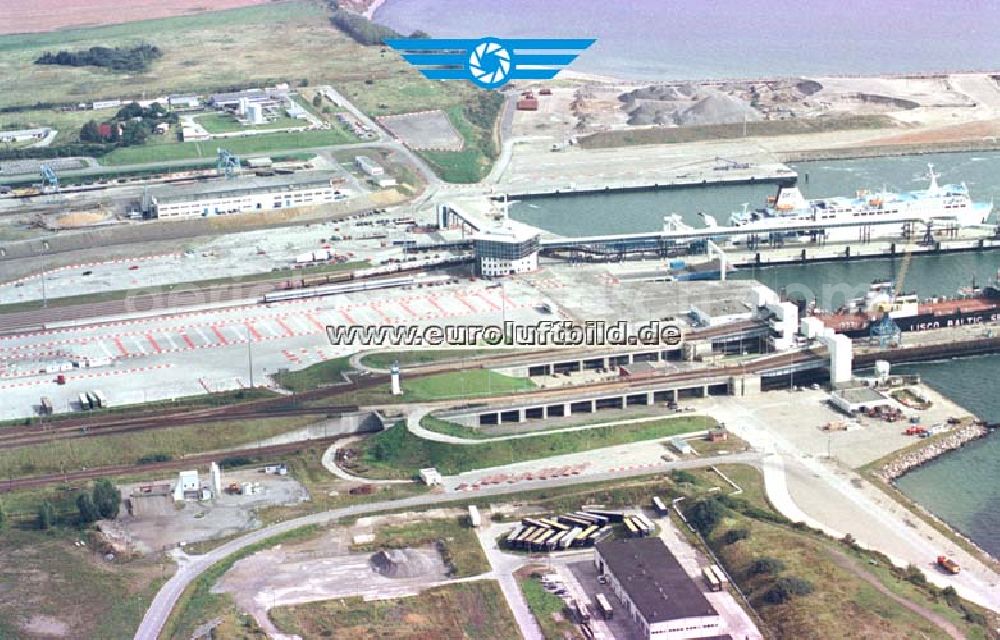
(127,448)
(460,384)
(271,142)
(225,123)
(459,545)
(396,453)
(422,356)
(68,123)
(313,376)
(549,610)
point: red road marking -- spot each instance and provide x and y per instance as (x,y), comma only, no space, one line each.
(253,332)
(386,319)
(152,341)
(507,300)
(121,347)
(347,316)
(406,308)
(319,325)
(188,340)
(459,297)
(288,330)
(219,335)
(492,304)
(434,303)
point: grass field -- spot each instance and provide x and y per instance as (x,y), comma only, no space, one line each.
(458,543)
(460,384)
(396,453)
(463,611)
(99,451)
(279,41)
(45,575)
(272,142)
(313,376)
(422,356)
(834,568)
(223,123)
(549,610)
(68,123)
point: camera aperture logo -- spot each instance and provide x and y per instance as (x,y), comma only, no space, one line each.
(490,63)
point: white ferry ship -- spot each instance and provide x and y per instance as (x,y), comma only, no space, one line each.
(866,216)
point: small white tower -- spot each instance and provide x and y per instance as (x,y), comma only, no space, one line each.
(397,390)
(216,479)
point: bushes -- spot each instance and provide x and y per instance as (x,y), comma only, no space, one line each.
(914,575)
(706,514)
(766,565)
(155,457)
(683,477)
(787,587)
(361,29)
(46,516)
(107,498)
(136,58)
(735,535)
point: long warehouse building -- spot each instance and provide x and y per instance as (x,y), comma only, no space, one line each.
(655,591)
(253,195)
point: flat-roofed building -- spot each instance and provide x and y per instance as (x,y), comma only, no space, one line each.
(655,591)
(257,194)
(506,250)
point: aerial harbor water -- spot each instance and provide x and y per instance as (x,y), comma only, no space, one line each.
(654,39)
(960,486)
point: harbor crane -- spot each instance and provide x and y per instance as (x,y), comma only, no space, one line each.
(50,181)
(227,163)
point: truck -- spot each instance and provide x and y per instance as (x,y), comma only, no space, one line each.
(948,565)
(84,401)
(474,518)
(102,400)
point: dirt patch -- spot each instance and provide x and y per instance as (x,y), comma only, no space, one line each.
(49,15)
(425,130)
(46,626)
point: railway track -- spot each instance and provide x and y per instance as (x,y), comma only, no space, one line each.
(71,477)
(45,434)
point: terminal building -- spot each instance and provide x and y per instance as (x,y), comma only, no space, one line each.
(178,203)
(506,250)
(655,591)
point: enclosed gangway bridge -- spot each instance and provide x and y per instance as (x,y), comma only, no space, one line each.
(666,241)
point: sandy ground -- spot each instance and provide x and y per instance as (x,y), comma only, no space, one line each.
(324,568)
(48,15)
(160,523)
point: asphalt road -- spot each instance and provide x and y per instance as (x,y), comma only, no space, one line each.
(189,570)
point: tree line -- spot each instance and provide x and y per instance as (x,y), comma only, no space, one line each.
(137,58)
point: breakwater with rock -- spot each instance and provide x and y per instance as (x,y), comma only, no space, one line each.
(954,439)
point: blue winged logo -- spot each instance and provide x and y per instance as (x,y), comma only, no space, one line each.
(490,62)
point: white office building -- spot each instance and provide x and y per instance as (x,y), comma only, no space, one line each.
(506,250)
(254,196)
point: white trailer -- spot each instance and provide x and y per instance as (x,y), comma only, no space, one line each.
(474,518)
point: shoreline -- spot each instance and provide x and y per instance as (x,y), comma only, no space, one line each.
(887,474)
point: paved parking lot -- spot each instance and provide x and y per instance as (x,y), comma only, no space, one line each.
(210,350)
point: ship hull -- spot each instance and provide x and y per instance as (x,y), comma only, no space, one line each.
(928,321)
